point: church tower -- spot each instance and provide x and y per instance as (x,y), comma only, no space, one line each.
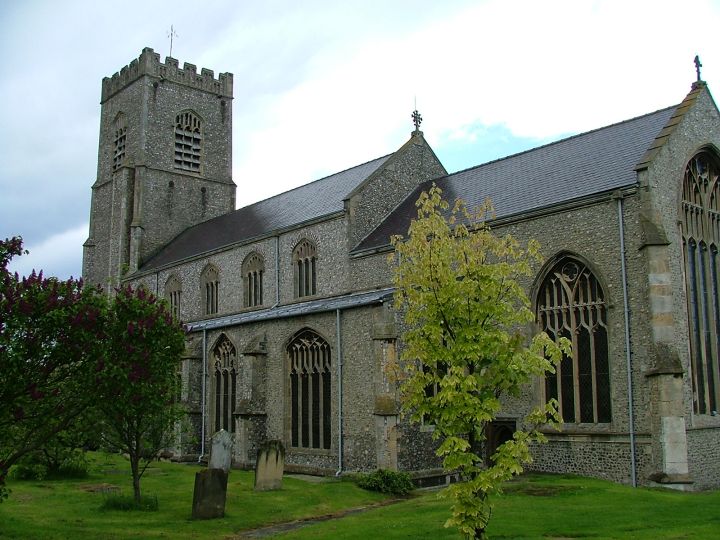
(164,162)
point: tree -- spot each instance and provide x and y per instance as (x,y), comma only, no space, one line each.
(137,384)
(465,315)
(51,338)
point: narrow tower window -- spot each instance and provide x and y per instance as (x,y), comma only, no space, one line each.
(700,218)
(253,269)
(119,139)
(188,141)
(305,269)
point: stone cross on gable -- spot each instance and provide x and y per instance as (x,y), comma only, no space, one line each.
(698,65)
(417,119)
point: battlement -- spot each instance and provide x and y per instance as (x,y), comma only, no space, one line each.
(149,64)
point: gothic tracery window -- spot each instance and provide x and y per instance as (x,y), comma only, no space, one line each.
(188,141)
(305,269)
(253,270)
(571,304)
(173,293)
(224,384)
(119,140)
(210,283)
(310,391)
(700,219)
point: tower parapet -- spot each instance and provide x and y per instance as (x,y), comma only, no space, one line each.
(149,64)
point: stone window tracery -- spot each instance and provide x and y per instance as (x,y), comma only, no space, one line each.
(188,141)
(253,269)
(224,357)
(700,222)
(119,141)
(310,391)
(210,284)
(571,304)
(173,293)
(305,269)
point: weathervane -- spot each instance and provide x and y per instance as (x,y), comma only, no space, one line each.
(171,34)
(698,65)
(417,119)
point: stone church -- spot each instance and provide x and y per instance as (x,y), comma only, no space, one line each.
(288,300)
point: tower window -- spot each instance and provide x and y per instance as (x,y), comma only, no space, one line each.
(119,140)
(571,304)
(305,269)
(188,141)
(253,270)
(700,218)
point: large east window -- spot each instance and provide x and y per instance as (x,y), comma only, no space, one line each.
(700,221)
(571,304)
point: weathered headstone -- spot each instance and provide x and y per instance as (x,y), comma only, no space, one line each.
(221,453)
(210,493)
(211,484)
(269,466)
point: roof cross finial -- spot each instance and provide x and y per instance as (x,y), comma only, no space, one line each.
(172,34)
(698,65)
(417,119)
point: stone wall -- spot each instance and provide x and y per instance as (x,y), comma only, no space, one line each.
(704,457)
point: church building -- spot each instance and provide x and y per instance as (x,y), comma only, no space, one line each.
(288,301)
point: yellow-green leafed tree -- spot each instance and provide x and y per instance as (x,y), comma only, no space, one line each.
(466,344)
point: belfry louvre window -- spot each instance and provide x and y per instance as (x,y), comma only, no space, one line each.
(253,270)
(310,403)
(210,283)
(700,221)
(571,304)
(305,269)
(119,140)
(188,141)
(224,384)
(173,292)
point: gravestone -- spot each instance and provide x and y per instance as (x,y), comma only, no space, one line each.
(269,466)
(221,453)
(211,484)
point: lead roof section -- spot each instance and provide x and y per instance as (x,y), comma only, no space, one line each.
(587,164)
(312,201)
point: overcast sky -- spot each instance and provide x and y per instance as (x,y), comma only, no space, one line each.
(321,86)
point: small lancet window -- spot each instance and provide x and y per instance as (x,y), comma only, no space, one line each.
(571,304)
(253,270)
(305,269)
(700,221)
(225,372)
(209,285)
(173,293)
(119,141)
(188,141)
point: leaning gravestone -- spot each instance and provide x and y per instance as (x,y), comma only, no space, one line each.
(211,484)
(269,466)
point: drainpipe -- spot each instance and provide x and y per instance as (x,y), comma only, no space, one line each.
(277,271)
(338,340)
(202,405)
(628,358)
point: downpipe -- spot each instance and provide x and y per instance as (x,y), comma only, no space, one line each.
(204,390)
(338,340)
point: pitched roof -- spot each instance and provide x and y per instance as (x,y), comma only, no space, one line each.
(312,201)
(594,162)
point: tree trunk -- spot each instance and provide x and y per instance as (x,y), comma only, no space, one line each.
(135,467)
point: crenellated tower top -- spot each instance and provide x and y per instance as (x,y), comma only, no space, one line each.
(149,64)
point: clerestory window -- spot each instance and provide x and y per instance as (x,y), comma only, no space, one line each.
(209,285)
(225,384)
(571,304)
(700,222)
(253,270)
(188,141)
(173,293)
(305,269)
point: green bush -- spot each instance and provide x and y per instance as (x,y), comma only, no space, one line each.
(42,465)
(118,501)
(384,481)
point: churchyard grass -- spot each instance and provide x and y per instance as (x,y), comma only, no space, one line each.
(535,506)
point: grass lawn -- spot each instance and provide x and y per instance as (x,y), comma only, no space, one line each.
(537,506)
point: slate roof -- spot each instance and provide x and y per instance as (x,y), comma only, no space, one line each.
(594,162)
(312,201)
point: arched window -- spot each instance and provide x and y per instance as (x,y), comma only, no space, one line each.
(700,219)
(253,269)
(209,284)
(188,141)
(119,139)
(310,403)
(571,304)
(305,269)
(224,384)
(173,291)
